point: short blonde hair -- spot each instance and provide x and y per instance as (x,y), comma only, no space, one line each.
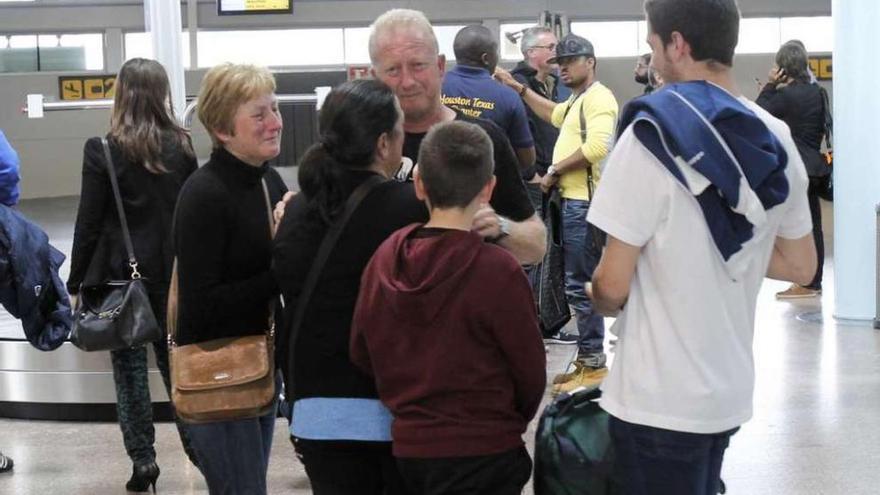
(225,88)
(396,20)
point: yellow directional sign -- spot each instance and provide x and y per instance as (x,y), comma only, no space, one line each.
(71,88)
(822,67)
(225,7)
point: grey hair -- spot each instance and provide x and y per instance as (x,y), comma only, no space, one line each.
(397,20)
(530,37)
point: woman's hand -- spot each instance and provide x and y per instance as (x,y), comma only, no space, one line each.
(777,77)
(278,212)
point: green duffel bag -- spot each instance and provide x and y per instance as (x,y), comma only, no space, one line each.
(573,451)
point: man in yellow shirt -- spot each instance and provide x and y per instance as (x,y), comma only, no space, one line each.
(586,123)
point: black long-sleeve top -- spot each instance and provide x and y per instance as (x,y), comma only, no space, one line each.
(224,249)
(148,200)
(801,106)
(323,368)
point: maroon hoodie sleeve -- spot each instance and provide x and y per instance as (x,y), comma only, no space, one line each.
(515,326)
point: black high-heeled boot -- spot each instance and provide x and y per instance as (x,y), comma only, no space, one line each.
(143,476)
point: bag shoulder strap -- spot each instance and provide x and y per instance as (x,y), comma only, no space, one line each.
(173,286)
(827,119)
(126,234)
(583,129)
(326,247)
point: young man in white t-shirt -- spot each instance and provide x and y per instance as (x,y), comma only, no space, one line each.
(684,291)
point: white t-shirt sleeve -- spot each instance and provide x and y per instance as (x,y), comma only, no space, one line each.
(797,221)
(632,196)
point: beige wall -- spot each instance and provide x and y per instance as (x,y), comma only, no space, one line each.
(51,148)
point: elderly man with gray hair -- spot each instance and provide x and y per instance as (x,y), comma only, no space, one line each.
(405,56)
(538,45)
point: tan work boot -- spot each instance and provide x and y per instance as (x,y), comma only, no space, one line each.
(564,377)
(584,377)
(797,292)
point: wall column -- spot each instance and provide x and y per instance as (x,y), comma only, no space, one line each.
(856,161)
(162,18)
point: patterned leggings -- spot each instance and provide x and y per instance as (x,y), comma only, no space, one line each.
(133,403)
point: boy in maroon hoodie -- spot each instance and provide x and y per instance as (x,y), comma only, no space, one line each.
(446,324)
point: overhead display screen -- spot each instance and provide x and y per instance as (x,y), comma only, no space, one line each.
(239,7)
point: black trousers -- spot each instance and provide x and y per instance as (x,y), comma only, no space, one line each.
(818,237)
(133,403)
(349,467)
(497,474)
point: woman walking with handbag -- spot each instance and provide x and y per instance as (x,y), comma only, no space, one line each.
(340,429)
(223,239)
(151,156)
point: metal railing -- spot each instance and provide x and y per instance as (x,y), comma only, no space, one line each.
(186,118)
(297,99)
(54,106)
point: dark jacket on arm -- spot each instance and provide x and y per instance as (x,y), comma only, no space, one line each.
(30,288)
(223,246)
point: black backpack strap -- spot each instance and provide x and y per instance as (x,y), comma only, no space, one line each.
(126,234)
(326,247)
(583,122)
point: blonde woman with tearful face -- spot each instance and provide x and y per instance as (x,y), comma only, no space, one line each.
(223,246)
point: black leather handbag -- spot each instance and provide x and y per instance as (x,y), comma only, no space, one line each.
(116,314)
(553,312)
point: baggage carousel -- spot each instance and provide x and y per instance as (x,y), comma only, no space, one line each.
(67,383)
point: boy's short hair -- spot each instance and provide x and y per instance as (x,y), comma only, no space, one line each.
(227,87)
(455,163)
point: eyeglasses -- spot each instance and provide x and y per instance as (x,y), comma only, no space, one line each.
(551,46)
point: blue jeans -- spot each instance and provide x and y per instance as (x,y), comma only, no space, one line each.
(234,455)
(581,258)
(651,460)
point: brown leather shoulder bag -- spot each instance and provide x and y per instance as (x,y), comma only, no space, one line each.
(221,379)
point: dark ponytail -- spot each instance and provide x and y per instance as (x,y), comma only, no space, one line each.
(352,118)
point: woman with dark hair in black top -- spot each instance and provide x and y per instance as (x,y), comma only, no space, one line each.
(340,429)
(791,96)
(152,157)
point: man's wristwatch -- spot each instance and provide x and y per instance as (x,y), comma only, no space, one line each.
(503,228)
(551,171)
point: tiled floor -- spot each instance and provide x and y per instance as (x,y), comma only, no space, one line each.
(816,428)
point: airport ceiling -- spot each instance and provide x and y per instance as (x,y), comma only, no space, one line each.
(601,8)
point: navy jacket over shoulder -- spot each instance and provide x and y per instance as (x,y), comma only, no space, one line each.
(30,288)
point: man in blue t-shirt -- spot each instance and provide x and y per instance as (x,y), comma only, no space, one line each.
(9,173)
(469,88)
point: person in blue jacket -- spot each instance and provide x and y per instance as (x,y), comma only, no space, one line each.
(30,288)
(9,172)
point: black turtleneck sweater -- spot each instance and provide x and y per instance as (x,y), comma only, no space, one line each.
(224,250)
